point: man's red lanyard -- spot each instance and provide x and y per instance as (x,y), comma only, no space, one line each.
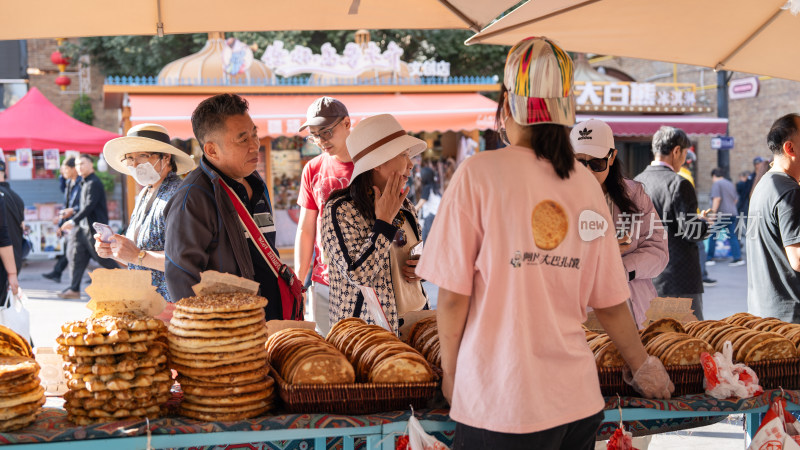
(281,271)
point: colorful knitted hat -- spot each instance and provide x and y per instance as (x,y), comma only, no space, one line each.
(539,77)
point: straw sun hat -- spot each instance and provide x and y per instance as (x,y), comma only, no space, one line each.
(147,137)
(376,140)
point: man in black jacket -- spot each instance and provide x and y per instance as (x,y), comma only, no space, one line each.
(92,209)
(203,230)
(675,200)
(72,189)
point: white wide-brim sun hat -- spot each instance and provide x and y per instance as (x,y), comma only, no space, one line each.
(147,137)
(376,140)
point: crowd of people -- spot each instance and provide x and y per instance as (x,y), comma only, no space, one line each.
(358,239)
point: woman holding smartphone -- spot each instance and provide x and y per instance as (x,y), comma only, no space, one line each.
(147,155)
(641,236)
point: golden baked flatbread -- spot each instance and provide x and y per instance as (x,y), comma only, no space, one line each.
(227,400)
(16,366)
(223,417)
(216,332)
(217,391)
(9,335)
(18,423)
(244,366)
(227,409)
(221,303)
(209,344)
(549,224)
(243,345)
(217,356)
(30,383)
(24,397)
(256,317)
(258,355)
(22,409)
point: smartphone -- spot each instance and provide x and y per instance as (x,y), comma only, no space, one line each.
(105,231)
(416,251)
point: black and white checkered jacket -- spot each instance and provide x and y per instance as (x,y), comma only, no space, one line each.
(357,253)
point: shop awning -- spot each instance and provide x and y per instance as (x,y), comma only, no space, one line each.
(282,115)
(648,125)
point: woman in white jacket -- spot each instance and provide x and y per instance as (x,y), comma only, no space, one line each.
(641,235)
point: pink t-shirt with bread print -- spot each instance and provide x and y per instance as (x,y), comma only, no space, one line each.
(529,250)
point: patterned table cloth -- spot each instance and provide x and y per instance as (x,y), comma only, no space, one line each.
(53,426)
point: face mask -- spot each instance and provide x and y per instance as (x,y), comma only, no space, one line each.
(144,174)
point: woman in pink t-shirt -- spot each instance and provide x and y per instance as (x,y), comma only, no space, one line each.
(518,252)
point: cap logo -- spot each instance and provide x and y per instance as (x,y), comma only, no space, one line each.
(585,134)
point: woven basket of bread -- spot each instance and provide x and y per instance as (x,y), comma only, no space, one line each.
(354,398)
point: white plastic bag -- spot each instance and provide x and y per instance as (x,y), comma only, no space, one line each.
(724,379)
(418,439)
(779,430)
(14,315)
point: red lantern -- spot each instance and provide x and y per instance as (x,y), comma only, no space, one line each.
(57,58)
(63,81)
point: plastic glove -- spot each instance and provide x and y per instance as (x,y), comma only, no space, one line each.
(651,380)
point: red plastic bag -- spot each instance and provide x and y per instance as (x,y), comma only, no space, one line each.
(778,431)
(620,440)
(724,379)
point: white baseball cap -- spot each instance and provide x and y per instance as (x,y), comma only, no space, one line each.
(592,137)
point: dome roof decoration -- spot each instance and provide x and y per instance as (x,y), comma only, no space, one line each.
(220,61)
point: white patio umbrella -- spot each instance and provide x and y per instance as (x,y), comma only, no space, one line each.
(752,36)
(27,19)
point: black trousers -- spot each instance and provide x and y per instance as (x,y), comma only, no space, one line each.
(578,435)
(62,261)
(81,250)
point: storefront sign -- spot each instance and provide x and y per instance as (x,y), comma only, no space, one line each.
(631,94)
(722,143)
(743,88)
(354,61)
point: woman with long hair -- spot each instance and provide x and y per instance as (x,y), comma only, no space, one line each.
(369,228)
(641,236)
(516,275)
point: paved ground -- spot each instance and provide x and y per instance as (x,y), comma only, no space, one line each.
(48,312)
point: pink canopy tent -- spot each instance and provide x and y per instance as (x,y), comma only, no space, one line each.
(33,122)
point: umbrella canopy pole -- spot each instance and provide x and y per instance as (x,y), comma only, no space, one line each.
(527,22)
(721,65)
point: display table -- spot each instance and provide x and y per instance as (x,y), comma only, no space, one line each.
(642,417)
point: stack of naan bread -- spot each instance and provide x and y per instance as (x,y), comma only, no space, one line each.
(302,356)
(424,336)
(216,344)
(753,339)
(21,391)
(116,368)
(377,355)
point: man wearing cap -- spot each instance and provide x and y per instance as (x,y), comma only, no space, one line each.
(328,123)
(204,229)
(675,200)
(92,209)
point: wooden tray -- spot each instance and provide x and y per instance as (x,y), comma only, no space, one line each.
(356,398)
(687,380)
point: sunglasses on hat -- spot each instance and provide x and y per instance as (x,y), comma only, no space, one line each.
(597,164)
